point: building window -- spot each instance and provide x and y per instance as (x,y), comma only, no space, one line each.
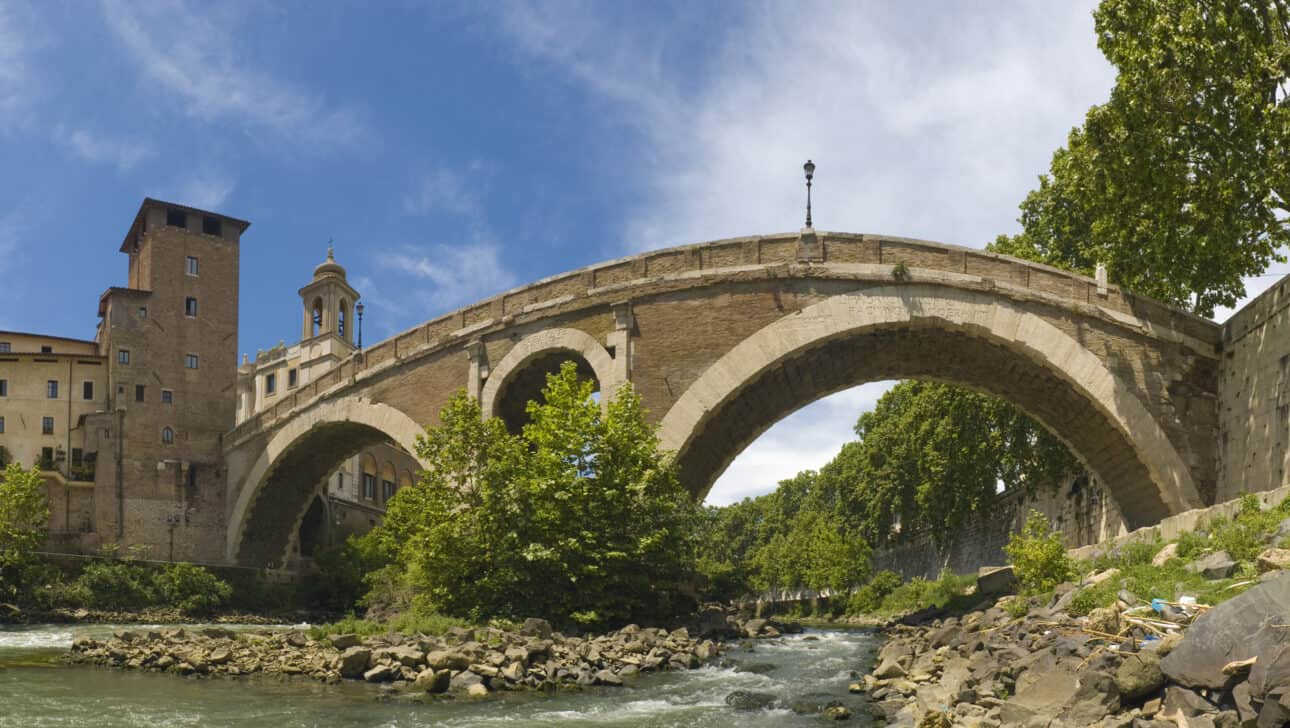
(387,490)
(46,425)
(190,265)
(123,356)
(4,387)
(78,457)
(167,396)
(139,392)
(51,389)
(293,378)
(270,383)
(190,307)
(46,458)
(192,475)
(369,486)
(167,436)
(1,425)
(190,361)
(176,218)
(87,390)
(46,349)
(4,347)
(143,312)
(211,225)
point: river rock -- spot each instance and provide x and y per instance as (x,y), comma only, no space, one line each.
(889,669)
(749,700)
(1105,620)
(1170,551)
(837,712)
(464,680)
(344,641)
(354,662)
(380,673)
(447,660)
(434,681)
(1101,576)
(1139,675)
(1274,560)
(534,627)
(1218,565)
(1237,629)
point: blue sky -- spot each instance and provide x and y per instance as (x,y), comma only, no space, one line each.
(455,150)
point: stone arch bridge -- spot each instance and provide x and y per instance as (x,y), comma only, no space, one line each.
(723,339)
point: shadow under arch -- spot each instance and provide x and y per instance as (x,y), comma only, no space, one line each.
(930,332)
(521,375)
(279,488)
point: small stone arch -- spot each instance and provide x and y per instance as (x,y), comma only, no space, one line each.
(956,312)
(350,419)
(540,344)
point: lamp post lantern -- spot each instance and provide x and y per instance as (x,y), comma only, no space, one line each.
(809,168)
(358,309)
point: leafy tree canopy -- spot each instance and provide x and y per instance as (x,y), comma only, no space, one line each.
(1179,183)
(24,521)
(579,517)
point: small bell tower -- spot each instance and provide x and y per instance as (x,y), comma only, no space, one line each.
(328,303)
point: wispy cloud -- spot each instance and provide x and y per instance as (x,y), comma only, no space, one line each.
(204,189)
(441,190)
(925,120)
(436,278)
(18,86)
(123,153)
(195,59)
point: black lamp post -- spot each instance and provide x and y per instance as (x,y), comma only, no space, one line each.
(809,168)
(358,309)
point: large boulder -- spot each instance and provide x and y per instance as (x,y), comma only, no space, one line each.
(1139,675)
(535,627)
(354,662)
(1242,627)
(996,581)
(749,700)
(1218,565)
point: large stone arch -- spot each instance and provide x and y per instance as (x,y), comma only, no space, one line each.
(298,456)
(917,330)
(541,344)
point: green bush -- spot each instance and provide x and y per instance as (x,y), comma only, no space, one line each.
(1038,555)
(125,584)
(191,589)
(24,518)
(868,598)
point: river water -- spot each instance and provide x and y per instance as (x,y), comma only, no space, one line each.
(37,690)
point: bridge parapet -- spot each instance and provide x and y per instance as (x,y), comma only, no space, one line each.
(840,255)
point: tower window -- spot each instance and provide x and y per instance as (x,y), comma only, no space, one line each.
(167,396)
(87,390)
(176,218)
(4,387)
(51,389)
(123,356)
(190,307)
(1,425)
(167,436)
(46,350)
(387,490)
(143,312)
(369,486)
(211,225)
(293,378)
(46,425)
(270,383)
(190,361)
(139,392)
(190,265)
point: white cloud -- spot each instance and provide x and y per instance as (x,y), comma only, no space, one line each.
(925,119)
(205,189)
(436,278)
(805,440)
(18,85)
(441,190)
(123,153)
(193,57)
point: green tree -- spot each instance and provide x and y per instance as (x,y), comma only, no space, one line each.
(579,517)
(24,521)
(1179,183)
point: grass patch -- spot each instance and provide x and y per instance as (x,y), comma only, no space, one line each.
(428,624)
(887,599)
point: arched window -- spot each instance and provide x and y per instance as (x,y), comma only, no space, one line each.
(167,436)
(317,317)
(405,480)
(341,318)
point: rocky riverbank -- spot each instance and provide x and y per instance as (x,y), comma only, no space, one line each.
(1167,665)
(471,662)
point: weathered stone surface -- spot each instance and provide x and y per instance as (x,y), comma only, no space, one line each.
(1139,675)
(1274,560)
(534,627)
(1240,628)
(889,669)
(434,681)
(1105,620)
(447,660)
(995,581)
(1218,565)
(354,662)
(749,700)
(344,641)
(1101,576)
(1170,551)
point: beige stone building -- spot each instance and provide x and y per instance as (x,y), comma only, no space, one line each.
(352,498)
